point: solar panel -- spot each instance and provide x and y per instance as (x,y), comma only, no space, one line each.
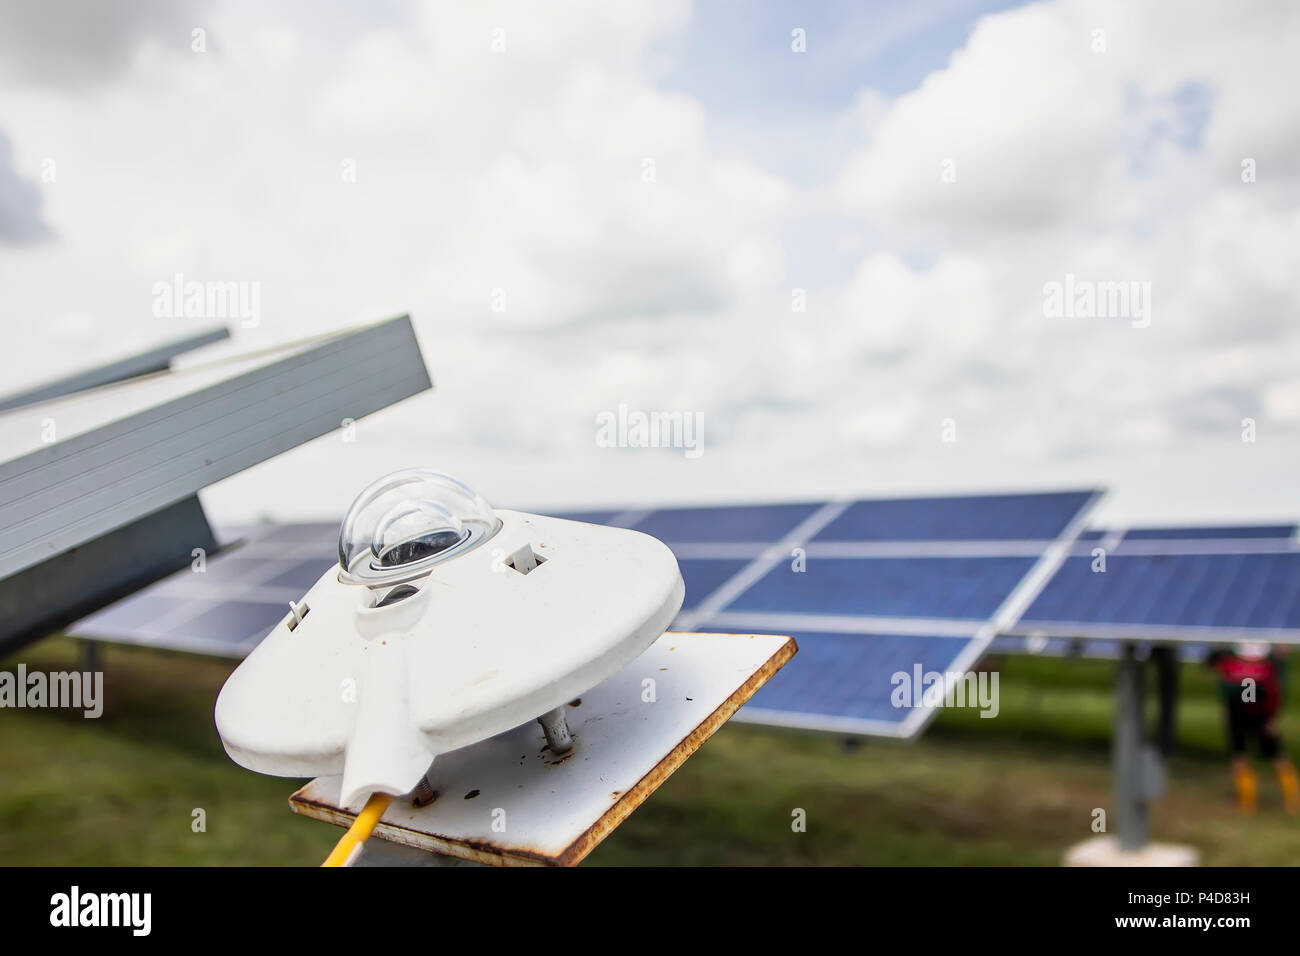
(225,606)
(703,576)
(237,622)
(1189,585)
(1171,597)
(846,681)
(1028,517)
(929,574)
(759,523)
(929,599)
(964,588)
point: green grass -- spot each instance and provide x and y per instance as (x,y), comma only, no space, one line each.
(1018,789)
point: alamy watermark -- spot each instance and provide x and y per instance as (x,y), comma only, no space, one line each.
(182,299)
(922,688)
(72,690)
(133,911)
(1086,299)
(638,429)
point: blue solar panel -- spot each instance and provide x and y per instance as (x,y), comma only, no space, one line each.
(1211,533)
(302,575)
(236,622)
(230,568)
(703,576)
(131,616)
(764,523)
(851,675)
(934,588)
(1174,590)
(977,518)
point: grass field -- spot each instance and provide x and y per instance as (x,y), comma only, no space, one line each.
(1018,789)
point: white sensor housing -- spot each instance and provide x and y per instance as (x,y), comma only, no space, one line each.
(445,623)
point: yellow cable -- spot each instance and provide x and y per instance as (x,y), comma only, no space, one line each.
(357,834)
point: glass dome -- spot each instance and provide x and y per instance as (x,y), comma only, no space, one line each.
(406,522)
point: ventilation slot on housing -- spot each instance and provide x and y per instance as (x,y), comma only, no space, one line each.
(525,560)
(296,613)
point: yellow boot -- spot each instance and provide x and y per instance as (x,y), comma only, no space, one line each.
(1246,784)
(1290,784)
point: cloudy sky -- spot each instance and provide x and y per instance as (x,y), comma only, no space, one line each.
(832,235)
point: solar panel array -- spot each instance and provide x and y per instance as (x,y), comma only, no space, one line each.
(870,589)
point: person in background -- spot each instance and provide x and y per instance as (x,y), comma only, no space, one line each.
(1251,680)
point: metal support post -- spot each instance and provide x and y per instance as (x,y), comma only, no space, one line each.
(1130,776)
(1167,672)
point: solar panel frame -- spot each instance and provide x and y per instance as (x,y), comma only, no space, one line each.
(1210,532)
(77,489)
(156,359)
(1041,645)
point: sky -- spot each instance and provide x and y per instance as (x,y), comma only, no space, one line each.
(868,248)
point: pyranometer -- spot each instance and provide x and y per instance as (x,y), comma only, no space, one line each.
(444,623)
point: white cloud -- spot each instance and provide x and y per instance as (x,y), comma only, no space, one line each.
(1041,129)
(525,171)
(1093,164)
(20,203)
(79,43)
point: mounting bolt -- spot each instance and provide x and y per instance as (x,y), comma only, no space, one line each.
(556,729)
(423,794)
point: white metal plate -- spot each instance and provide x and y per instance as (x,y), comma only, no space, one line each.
(510,801)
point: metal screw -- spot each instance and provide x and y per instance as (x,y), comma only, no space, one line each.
(556,729)
(423,794)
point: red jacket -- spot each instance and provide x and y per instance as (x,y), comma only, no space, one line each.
(1266,672)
